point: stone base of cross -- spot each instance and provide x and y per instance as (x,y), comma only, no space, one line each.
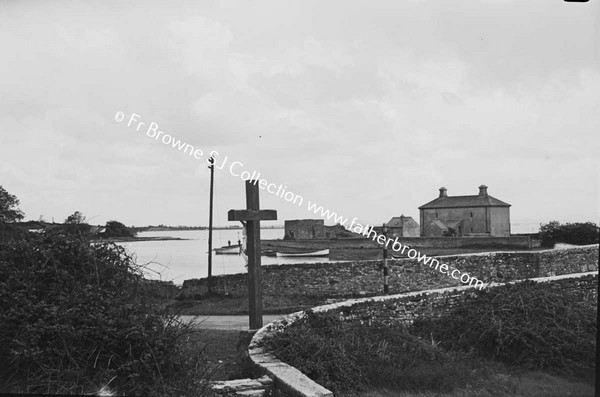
(252,216)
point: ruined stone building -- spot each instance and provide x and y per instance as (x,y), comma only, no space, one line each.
(479,214)
(304,229)
(312,229)
(403,226)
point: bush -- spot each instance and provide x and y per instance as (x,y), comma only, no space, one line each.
(346,357)
(11,232)
(570,233)
(525,324)
(78,316)
(116,229)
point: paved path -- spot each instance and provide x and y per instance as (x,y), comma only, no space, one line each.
(227,322)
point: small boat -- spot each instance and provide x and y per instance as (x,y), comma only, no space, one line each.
(304,254)
(269,252)
(228,250)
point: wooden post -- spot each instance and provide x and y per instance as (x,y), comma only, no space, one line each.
(210,225)
(252,216)
(385,264)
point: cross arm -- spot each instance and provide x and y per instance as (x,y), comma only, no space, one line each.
(252,215)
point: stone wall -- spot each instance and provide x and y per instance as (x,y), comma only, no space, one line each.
(355,254)
(467,242)
(404,309)
(514,242)
(391,309)
(317,244)
(365,278)
(299,229)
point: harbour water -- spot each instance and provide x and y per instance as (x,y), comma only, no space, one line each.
(178,260)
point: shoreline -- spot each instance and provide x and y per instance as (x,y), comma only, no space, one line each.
(134,239)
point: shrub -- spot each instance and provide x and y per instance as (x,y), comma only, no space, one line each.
(11,232)
(116,229)
(525,324)
(570,233)
(346,357)
(77,316)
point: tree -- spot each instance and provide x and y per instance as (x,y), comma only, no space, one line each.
(75,219)
(571,233)
(116,229)
(9,211)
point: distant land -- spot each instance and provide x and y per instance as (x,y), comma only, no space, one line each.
(162,228)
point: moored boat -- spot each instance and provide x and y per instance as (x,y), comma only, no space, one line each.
(304,254)
(229,250)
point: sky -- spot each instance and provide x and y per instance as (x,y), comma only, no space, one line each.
(365,108)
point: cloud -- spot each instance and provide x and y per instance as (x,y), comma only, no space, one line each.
(368,109)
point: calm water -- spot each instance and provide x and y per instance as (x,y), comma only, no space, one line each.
(178,260)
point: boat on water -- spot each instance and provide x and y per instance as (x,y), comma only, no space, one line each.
(229,250)
(314,254)
(269,252)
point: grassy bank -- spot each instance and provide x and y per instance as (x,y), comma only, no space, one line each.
(503,383)
(508,341)
(79,317)
(223,350)
(223,305)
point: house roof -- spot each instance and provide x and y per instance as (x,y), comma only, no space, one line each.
(453,224)
(439,224)
(399,221)
(464,201)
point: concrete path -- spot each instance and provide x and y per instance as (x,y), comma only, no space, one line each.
(227,322)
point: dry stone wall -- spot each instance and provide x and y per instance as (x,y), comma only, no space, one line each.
(365,278)
(391,309)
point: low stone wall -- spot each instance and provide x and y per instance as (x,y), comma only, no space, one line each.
(392,309)
(514,242)
(364,278)
(405,308)
(355,254)
(317,244)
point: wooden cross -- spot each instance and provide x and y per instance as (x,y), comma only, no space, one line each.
(252,216)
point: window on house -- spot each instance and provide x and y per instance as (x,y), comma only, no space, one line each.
(471,215)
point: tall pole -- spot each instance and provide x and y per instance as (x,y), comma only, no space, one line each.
(210,224)
(253,252)
(252,215)
(385,264)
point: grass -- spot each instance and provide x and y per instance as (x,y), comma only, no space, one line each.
(223,350)
(222,305)
(502,384)
(524,339)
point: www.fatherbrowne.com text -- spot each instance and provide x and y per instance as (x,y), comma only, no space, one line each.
(236,169)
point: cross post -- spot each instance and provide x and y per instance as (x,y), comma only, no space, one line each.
(252,217)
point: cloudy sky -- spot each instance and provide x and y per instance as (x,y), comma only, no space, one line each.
(366,108)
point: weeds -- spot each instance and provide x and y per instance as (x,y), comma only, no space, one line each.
(78,317)
(525,324)
(346,357)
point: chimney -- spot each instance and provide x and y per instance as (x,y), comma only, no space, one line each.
(483,191)
(443,192)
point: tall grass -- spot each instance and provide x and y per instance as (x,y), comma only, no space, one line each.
(349,357)
(526,327)
(77,317)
